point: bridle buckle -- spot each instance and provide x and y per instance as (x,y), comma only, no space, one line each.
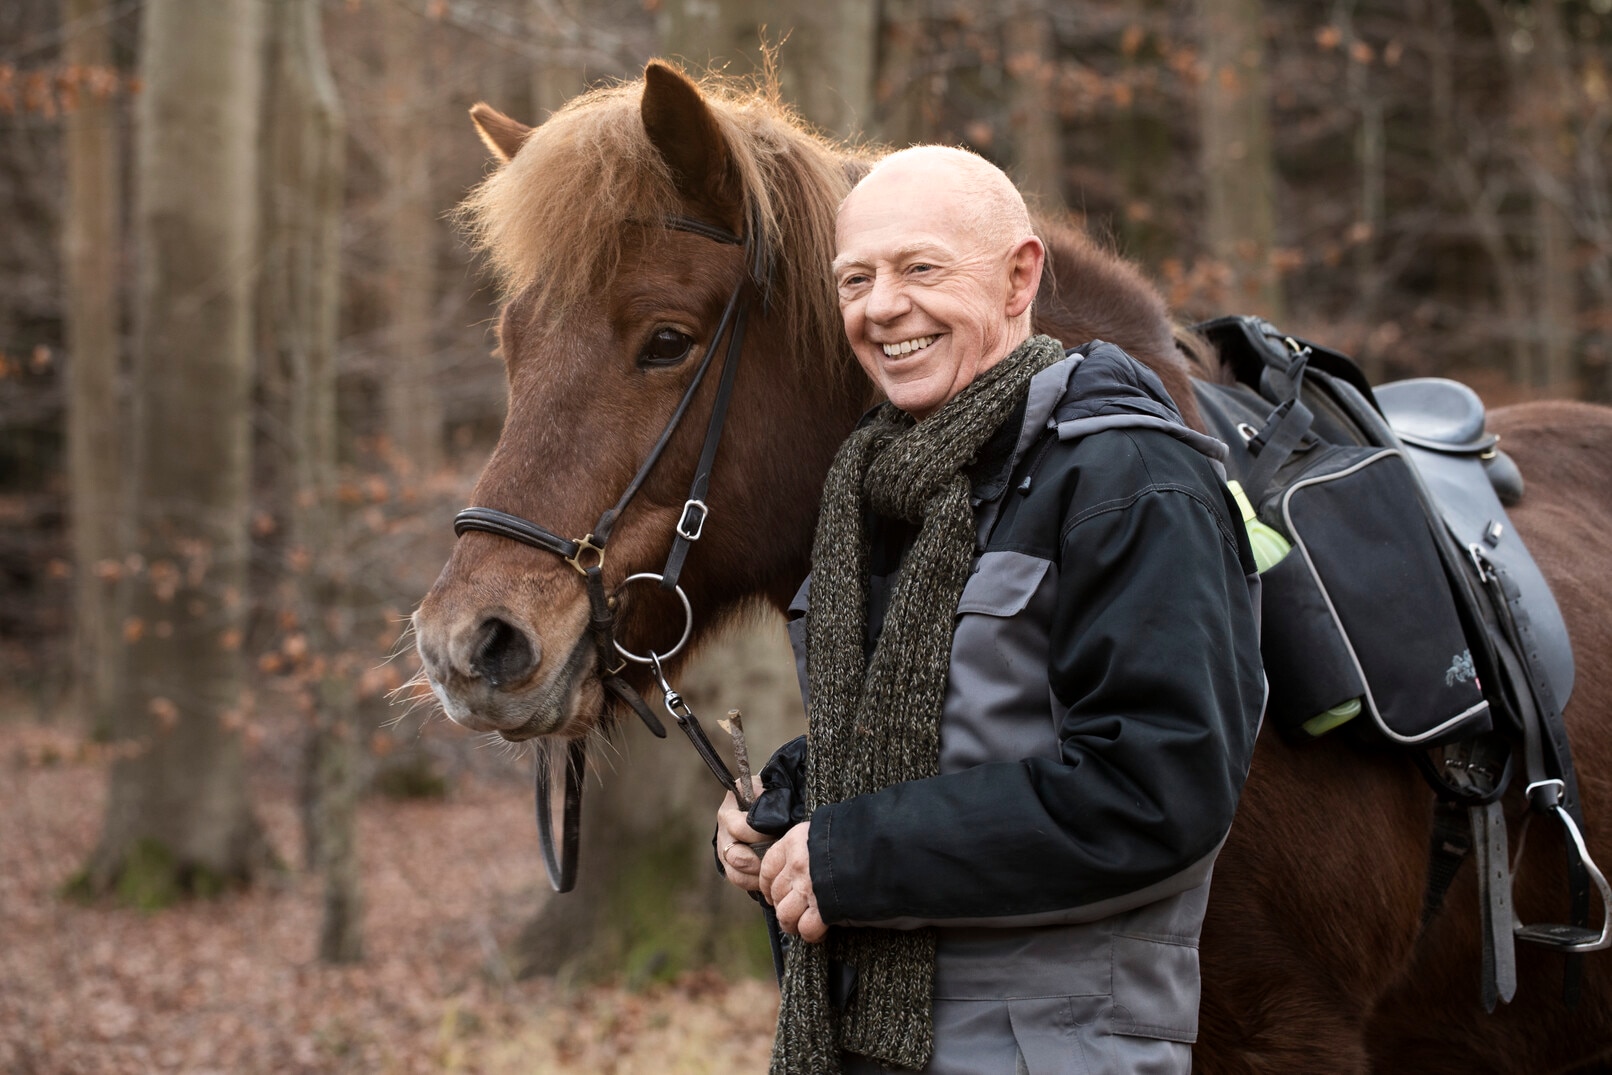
(692,510)
(584,546)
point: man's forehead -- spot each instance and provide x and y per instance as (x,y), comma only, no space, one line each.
(894,224)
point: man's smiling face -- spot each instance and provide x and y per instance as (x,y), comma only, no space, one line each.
(925,283)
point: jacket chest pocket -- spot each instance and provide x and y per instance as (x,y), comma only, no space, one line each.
(1003,583)
(998,699)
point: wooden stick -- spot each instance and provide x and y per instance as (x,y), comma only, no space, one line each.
(734,726)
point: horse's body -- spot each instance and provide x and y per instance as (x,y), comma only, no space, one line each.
(1313,957)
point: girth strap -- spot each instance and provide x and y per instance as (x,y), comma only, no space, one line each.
(1450,845)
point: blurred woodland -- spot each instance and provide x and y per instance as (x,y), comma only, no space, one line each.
(245,381)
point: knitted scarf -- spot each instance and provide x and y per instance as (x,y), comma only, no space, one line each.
(876,722)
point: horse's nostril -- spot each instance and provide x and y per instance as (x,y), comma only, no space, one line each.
(503,653)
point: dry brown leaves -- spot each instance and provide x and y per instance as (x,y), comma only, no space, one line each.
(233,985)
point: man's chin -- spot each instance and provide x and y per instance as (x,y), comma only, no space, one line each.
(920,403)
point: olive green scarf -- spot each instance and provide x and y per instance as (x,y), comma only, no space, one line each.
(876,722)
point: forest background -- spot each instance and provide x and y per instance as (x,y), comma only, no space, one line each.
(245,381)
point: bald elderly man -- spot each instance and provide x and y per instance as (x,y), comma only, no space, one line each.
(1032,676)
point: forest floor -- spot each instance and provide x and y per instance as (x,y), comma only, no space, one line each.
(233,984)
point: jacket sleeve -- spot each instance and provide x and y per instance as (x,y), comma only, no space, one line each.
(1155,675)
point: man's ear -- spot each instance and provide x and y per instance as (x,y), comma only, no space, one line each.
(1024,274)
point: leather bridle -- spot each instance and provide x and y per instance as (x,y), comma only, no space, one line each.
(586,555)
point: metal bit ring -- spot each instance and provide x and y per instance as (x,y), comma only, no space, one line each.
(688,622)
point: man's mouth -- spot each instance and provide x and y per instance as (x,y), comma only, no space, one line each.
(907,347)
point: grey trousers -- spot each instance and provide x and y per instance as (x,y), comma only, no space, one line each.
(1063,1001)
(1039,1036)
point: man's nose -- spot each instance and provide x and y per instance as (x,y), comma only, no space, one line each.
(887,300)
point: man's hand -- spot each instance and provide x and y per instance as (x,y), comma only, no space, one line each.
(786,883)
(733,832)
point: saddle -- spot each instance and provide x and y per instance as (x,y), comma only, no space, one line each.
(1428,532)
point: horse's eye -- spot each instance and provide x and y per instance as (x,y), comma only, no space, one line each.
(666,347)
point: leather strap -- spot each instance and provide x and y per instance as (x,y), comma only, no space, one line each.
(561,863)
(492,521)
(689,529)
(1547,755)
(700,227)
(1494,902)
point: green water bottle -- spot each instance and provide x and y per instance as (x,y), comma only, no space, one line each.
(1270,547)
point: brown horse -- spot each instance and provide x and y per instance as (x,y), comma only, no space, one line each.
(1313,956)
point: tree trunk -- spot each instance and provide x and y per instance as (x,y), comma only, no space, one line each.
(1143,152)
(303,141)
(903,86)
(1370,145)
(1032,110)
(560,79)
(825,50)
(1548,95)
(178,815)
(648,901)
(1239,172)
(95,448)
(414,412)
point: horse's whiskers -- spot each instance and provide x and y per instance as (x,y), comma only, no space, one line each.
(405,643)
(603,750)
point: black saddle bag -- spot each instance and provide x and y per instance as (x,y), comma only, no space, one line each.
(1359,617)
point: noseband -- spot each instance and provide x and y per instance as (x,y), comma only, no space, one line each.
(586,555)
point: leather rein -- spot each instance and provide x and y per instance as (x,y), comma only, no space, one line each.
(587,555)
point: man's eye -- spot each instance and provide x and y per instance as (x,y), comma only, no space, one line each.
(666,347)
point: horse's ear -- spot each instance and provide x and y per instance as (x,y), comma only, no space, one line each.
(685,133)
(501,134)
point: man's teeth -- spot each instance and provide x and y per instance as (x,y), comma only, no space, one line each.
(891,350)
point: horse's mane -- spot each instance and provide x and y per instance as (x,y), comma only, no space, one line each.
(559,215)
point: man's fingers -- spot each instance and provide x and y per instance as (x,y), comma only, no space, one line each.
(798,917)
(740,857)
(790,908)
(810,925)
(772,864)
(734,822)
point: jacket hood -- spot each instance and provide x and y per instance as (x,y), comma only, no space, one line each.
(1096,386)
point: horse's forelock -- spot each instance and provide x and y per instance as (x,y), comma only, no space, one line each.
(557,217)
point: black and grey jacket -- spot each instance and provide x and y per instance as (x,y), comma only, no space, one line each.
(1103,698)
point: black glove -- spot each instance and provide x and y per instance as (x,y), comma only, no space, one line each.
(782,802)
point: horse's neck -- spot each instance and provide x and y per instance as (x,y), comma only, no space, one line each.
(1088,293)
